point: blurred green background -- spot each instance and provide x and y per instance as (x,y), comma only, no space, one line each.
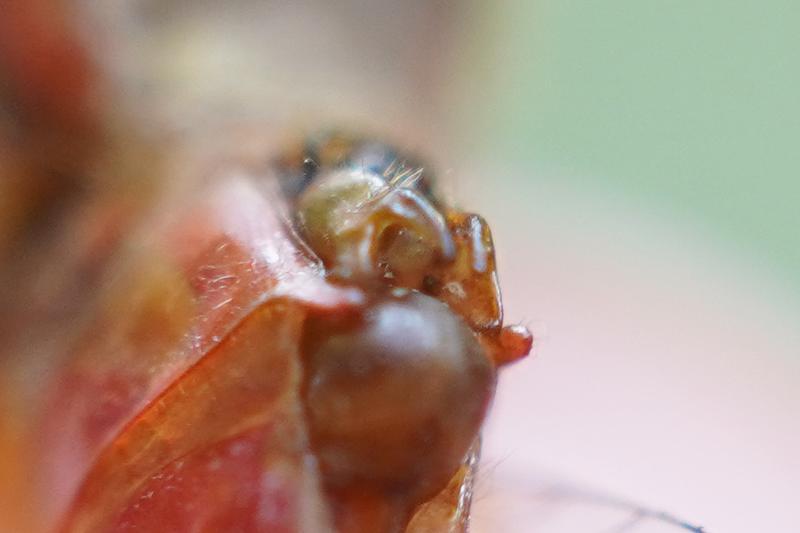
(690,107)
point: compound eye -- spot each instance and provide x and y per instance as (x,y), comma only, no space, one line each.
(396,397)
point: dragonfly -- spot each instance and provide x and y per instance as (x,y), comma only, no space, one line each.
(228,336)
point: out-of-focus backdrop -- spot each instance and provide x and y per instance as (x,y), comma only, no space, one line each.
(643,185)
(637,163)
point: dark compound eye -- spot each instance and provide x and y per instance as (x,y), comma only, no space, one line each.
(373,156)
(328,151)
(395,397)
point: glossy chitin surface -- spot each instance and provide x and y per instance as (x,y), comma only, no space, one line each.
(164,333)
(219,343)
(284,347)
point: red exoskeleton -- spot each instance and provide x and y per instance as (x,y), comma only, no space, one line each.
(300,343)
(312,360)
